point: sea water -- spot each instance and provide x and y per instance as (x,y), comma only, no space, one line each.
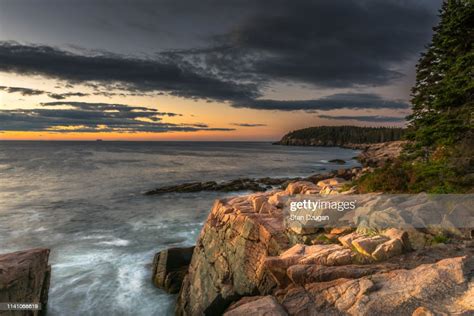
(84,201)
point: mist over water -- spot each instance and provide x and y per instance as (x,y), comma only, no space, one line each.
(84,201)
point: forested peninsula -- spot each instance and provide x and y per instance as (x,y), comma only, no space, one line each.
(343,136)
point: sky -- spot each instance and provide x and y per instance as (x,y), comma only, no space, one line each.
(208,69)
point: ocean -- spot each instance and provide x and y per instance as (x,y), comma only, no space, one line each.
(84,201)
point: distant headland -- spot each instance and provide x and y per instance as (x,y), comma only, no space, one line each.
(341,136)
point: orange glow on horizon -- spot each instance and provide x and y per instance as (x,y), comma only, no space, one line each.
(167,136)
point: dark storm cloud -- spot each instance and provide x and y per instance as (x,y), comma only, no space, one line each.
(248,124)
(332,102)
(130,111)
(92,117)
(332,44)
(133,74)
(342,43)
(375,118)
(22,91)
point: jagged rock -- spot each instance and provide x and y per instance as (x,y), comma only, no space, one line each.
(246,184)
(338,161)
(401,235)
(228,261)
(377,155)
(441,285)
(246,249)
(388,249)
(278,199)
(346,240)
(301,187)
(331,186)
(329,190)
(24,278)
(243,184)
(169,268)
(256,306)
(327,255)
(367,245)
(331,181)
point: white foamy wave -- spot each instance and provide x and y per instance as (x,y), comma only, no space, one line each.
(116,242)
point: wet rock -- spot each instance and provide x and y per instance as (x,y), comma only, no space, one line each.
(243,184)
(169,268)
(256,306)
(25,277)
(248,184)
(338,161)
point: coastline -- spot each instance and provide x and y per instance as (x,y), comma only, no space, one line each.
(142,226)
(243,250)
(246,260)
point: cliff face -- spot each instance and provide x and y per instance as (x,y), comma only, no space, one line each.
(24,278)
(228,260)
(247,261)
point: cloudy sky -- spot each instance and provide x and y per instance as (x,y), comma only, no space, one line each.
(208,69)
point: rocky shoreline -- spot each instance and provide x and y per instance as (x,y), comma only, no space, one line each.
(249,184)
(372,155)
(247,261)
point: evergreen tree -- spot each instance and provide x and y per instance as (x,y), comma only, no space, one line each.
(444,90)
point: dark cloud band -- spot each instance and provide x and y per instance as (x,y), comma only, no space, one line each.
(92,117)
(127,73)
(332,102)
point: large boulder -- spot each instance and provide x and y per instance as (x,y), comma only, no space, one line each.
(228,261)
(169,268)
(24,278)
